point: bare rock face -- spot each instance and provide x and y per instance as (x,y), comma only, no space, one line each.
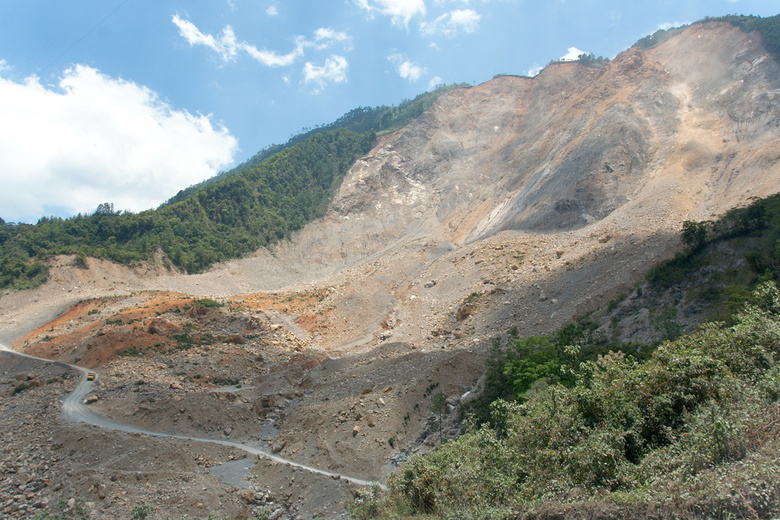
(687,129)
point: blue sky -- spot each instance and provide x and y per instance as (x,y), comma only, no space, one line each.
(128,101)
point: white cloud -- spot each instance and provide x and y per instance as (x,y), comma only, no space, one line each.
(399,11)
(572,54)
(334,70)
(435,82)
(452,23)
(4,65)
(228,46)
(410,71)
(406,69)
(533,71)
(272,10)
(324,38)
(272,58)
(65,149)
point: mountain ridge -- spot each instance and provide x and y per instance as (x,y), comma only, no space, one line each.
(516,205)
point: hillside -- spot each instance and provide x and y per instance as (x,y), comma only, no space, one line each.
(519,204)
(255,205)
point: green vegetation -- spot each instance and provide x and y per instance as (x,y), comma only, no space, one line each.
(16,273)
(658,37)
(141,511)
(21,387)
(571,420)
(208,303)
(130,352)
(380,120)
(263,204)
(473,297)
(751,235)
(225,381)
(257,204)
(514,368)
(769,28)
(589,60)
(593,61)
(701,411)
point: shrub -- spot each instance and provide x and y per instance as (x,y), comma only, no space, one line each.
(368,503)
(141,511)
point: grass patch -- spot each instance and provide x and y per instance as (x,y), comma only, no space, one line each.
(130,352)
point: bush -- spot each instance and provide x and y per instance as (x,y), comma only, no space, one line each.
(368,503)
(141,511)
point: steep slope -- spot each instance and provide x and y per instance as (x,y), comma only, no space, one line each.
(685,130)
(584,173)
(688,128)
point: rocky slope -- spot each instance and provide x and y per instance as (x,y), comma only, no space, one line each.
(520,202)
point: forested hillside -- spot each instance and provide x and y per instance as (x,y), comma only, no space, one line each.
(381,120)
(226,219)
(258,203)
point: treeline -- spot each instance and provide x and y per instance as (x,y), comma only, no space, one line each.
(227,219)
(380,120)
(589,60)
(769,28)
(262,201)
(755,231)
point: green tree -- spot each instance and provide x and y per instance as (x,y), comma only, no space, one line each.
(438,405)
(694,234)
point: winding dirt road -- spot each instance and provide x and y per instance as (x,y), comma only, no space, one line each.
(74,409)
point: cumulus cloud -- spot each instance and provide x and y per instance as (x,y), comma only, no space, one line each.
(534,71)
(572,54)
(272,10)
(228,46)
(407,69)
(399,11)
(435,82)
(452,23)
(334,70)
(65,149)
